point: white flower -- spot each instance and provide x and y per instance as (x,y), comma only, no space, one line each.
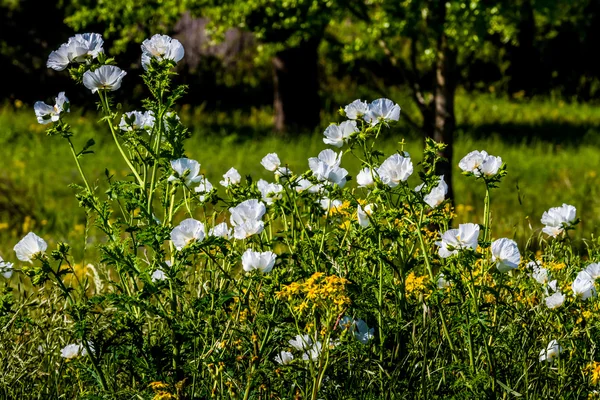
(480,163)
(186,169)
(437,194)
(6,268)
(382,110)
(271,162)
(136,120)
(29,247)
(363,215)
(395,169)
(78,48)
(442,283)
(269,191)
(305,184)
(552,286)
(583,286)
(301,342)
(551,351)
(362,333)
(203,188)
(505,253)
(221,230)
(283,358)
(557,218)
(593,270)
(188,231)
(555,301)
(46,113)
(365,177)
(314,352)
(231,177)
(330,205)
(454,240)
(283,172)
(158,275)
(73,350)
(263,262)
(540,274)
(337,135)
(161,47)
(246,218)
(107,77)
(326,167)
(356,109)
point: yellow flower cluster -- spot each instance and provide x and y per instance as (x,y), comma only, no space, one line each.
(593,371)
(415,285)
(160,391)
(320,291)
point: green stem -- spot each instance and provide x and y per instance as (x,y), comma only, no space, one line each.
(87,185)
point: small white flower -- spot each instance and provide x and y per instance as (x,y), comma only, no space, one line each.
(330,205)
(246,218)
(442,283)
(161,47)
(183,166)
(137,120)
(505,253)
(301,342)
(6,268)
(107,77)
(271,162)
(382,110)
(356,109)
(555,301)
(551,351)
(314,352)
(365,177)
(326,167)
(46,113)
(480,163)
(305,184)
(158,275)
(262,261)
(78,48)
(29,247)
(363,215)
(540,274)
(454,240)
(221,230)
(337,135)
(437,194)
(557,218)
(362,333)
(593,270)
(203,188)
(552,286)
(395,169)
(583,286)
(284,358)
(231,177)
(269,191)
(59,59)
(73,350)
(188,231)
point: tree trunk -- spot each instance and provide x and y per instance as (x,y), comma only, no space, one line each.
(296,102)
(444,123)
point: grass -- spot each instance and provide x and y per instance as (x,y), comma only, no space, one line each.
(550,147)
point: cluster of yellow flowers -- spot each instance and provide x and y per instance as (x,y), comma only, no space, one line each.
(415,285)
(320,291)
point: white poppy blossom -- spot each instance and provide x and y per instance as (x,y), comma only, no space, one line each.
(188,231)
(395,169)
(221,230)
(269,191)
(314,352)
(46,113)
(231,177)
(557,218)
(262,261)
(551,351)
(442,283)
(365,177)
(271,162)
(29,247)
(284,358)
(106,77)
(454,240)
(480,163)
(137,120)
(78,48)
(186,169)
(337,135)
(304,184)
(505,253)
(437,194)
(382,110)
(326,167)
(330,205)
(73,350)
(364,214)
(161,47)
(583,286)
(158,275)
(556,300)
(301,342)
(593,270)
(6,268)
(246,218)
(362,333)
(356,109)
(540,274)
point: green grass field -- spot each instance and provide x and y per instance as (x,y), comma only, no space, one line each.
(551,149)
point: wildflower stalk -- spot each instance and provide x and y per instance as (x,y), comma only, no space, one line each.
(74,153)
